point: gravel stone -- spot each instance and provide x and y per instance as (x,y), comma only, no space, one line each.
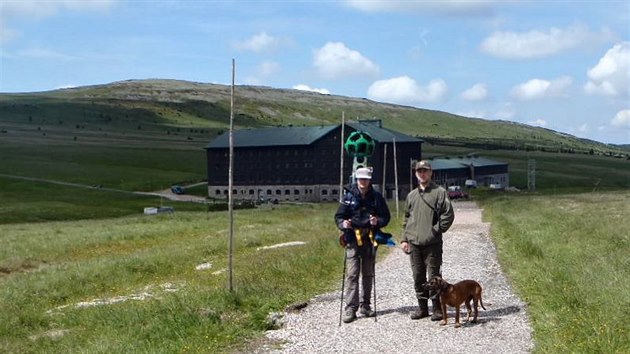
(469,253)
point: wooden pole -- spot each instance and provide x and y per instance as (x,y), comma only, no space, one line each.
(343,125)
(230,179)
(396,177)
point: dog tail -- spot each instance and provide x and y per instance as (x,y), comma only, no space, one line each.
(481,303)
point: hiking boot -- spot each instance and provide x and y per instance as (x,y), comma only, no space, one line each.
(419,313)
(422,311)
(437,310)
(437,315)
(367,311)
(349,316)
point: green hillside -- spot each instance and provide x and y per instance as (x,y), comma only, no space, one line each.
(175,112)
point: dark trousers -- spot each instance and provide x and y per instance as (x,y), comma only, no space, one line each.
(425,261)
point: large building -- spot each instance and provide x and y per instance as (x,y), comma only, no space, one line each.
(303,163)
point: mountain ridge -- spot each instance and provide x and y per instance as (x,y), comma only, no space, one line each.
(174,103)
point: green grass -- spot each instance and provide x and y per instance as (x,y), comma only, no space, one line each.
(26,201)
(128,168)
(566,256)
(46,266)
(568,259)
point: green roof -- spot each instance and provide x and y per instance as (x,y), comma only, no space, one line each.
(459,162)
(279,136)
(291,136)
(382,135)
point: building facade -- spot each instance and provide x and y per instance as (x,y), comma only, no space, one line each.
(303,163)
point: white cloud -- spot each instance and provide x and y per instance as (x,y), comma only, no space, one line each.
(268,68)
(538,44)
(40,9)
(538,88)
(335,60)
(303,87)
(7,34)
(260,42)
(583,128)
(611,75)
(621,119)
(40,53)
(476,93)
(538,123)
(404,90)
(446,7)
(37,9)
(263,70)
(506,113)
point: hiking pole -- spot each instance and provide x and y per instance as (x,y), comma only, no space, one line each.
(343,284)
(374,281)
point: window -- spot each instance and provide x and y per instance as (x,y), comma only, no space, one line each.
(325,192)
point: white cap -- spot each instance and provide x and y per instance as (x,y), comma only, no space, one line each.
(363,173)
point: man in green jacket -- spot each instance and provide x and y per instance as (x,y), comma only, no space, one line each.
(428,214)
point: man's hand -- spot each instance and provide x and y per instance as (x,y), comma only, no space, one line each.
(373,220)
(405,247)
(346,224)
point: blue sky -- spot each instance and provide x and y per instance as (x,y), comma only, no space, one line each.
(562,65)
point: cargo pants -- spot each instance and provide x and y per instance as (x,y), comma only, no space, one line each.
(426,262)
(360,265)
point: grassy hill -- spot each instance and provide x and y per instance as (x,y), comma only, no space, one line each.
(147,135)
(176,112)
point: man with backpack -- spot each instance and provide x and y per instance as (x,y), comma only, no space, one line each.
(428,214)
(361,213)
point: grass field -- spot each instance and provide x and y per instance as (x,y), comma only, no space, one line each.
(73,239)
(566,256)
(51,271)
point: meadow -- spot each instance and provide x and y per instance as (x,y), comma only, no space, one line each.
(82,270)
(131,284)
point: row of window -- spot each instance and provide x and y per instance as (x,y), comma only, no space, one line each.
(269,192)
(260,153)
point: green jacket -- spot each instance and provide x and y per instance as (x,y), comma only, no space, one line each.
(428,214)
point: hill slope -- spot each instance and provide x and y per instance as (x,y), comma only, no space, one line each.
(171,109)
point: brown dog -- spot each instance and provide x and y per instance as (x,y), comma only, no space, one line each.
(455,294)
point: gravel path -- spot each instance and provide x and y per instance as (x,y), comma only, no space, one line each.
(468,254)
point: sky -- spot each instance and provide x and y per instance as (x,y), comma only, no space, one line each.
(562,65)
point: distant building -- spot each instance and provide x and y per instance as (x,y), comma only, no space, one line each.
(449,171)
(303,163)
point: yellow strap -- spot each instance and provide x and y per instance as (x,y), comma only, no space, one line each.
(374,243)
(359,232)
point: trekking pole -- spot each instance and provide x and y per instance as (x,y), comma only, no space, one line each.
(343,284)
(374,282)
